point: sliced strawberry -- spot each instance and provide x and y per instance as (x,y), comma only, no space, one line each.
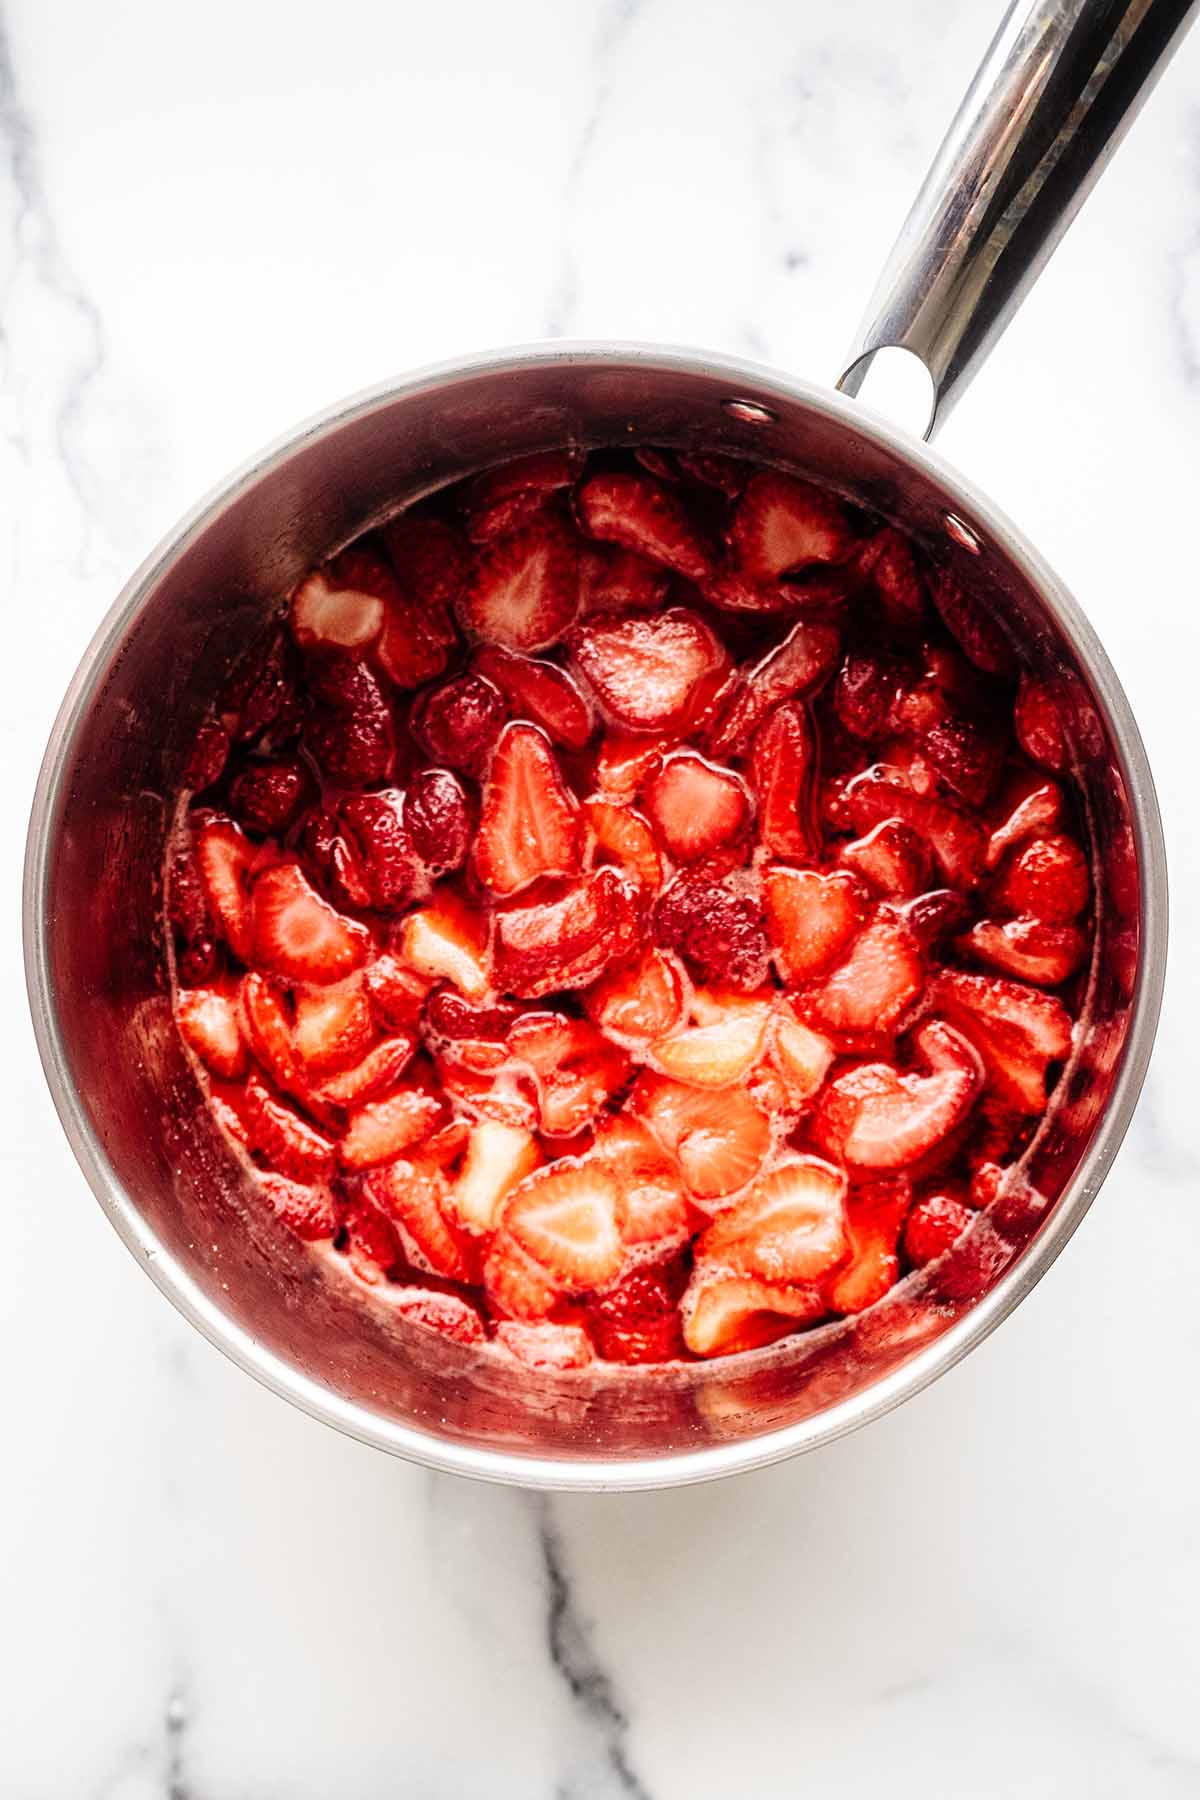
(342,606)
(624,835)
(381,1129)
(332,853)
(794,667)
(576,1068)
(869,992)
(864,695)
(208,1023)
(1027,948)
(781,771)
(986,1183)
(207,757)
(289,1142)
(540,692)
(1031,806)
(731,591)
(968,757)
(790,1227)
(414,644)
(718,1136)
(716,927)
(568,1218)
(1037,719)
(270,796)
(639,1000)
(516,1286)
(641,514)
(957,840)
(378,1070)
(616,580)
(660,463)
(718,1052)
(656,1209)
(437,816)
(934,1225)
(370,1244)
(448,1314)
(875,1215)
(528,824)
(726,473)
(694,806)
(648,670)
(307,1208)
(505,498)
(811,917)
(981,636)
(887,561)
(627,758)
(224,858)
(413,1197)
(498,1157)
(333,1025)
(544,1345)
(397,994)
(507,1095)
(801,1057)
(1018,1031)
(432,564)
(873,1118)
(934,916)
(637,1321)
(566,943)
(268,1031)
(300,936)
(1046,877)
(444,942)
(780,525)
(892,859)
(525,590)
(723,1312)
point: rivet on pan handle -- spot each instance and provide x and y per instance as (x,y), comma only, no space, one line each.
(1054,96)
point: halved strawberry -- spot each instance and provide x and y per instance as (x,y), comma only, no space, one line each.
(626,758)
(576,1068)
(1031,806)
(529,823)
(515,1285)
(968,756)
(507,1095)
(1038,722)
(379,1130)
(449,1314)
(444,941)
(781,524)
(641,514)
(624,835)
(640,1000)
(892,859)
(370,1245)
(544,1345)
(790,1227)
(413,1197)
(333,1025)
(334,855)
(649,670)
(723,1312)
(1018,1031)
(568,1218)
(865,693)
(299,935)
(503,499)
(694,806)
(459,722)
(387,858)
(656,1209)
(225,858)
(731,591)
(720,1050)
(811,917)
(291,1144)
(718,1136)
(498,1156)
(716,926)
(380,1069)
(617,580)
(432,564)
(794,667)
(414,644)
(873,1118)
(637,1321)
(887,561)
(349,734)
(956,839)
(540,692)
(268,1031)
(397,994)
(868,993)
(341,606)
(307,1208)
(525,590)
(208,1023)
(800,1056)
(566,943)
(1047,877)
(781,770)
(875,1215)
(934,1225)
(1027,948)
(437,816)
(982,638)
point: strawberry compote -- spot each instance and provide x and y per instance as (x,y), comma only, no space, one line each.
(629,907)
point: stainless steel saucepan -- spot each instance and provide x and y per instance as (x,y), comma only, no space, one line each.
(1057,89)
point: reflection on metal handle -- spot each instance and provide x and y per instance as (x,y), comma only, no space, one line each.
(1053,97)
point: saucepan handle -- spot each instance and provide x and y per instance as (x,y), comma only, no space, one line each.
(1054,96)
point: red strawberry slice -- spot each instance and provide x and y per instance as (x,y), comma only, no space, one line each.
(459,722)
(328,850)
(640,1000)
(932,917)
(1046,877)
(224,858)
(396,993)
(780,525)
(717,1135)
(414,644)
(811,917)
(413,1198)
(723,1312)
(373,1074)
(892,859)
(789,1228)
(268,1031)
(371,1246)
(637,1321)
(659,462)
(525,590)
(333,1025)
(448,1314)
(505,498)
(269,796)
(718,929)
(528,824)
(308,1209)
(967,755)
(576,1068)
(641,514)
(432,565)
(868,993)
(300,936)
(382,1129)
(289,1142)
(656,1210)
(437,816)
(650,672)
(1027,948)
(956,840)
(694,806)
(721,1046)
(544,1345)
(615,580)
(624,836)
(1018,1031)
(568,1218)
(507,1096)
(726,473)
(515,1285)
(733,592)
(207,758)
(566,943)
(445,941)
(497,1157)
(796,666)
(1031,806)
(781,770)
(873,1118)
(208,1022)
(626,758)
(982,638)
(887,561)
(540,692)
(342,606)
(1038,722)
(934,1225)
(875,1215)
(864,695)
(800,1056)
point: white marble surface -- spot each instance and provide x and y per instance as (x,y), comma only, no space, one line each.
(212,221)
